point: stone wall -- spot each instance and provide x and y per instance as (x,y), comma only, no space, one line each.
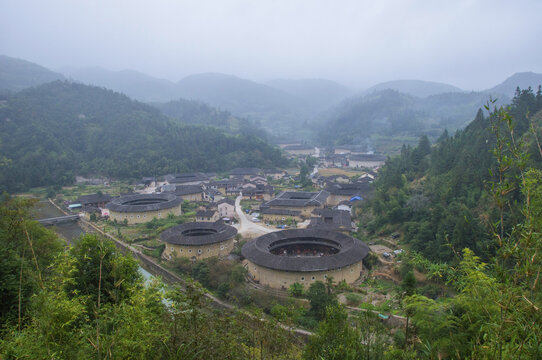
(283,279)
(199,252)
(143,216)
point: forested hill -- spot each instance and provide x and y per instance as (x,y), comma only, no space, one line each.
(198,113)
(437,196)
(392,113)
(50,133)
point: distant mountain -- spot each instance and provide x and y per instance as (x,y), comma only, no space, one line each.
(393,114)
(238,95)
(132,83)
(523,80)
(318,93)
(417,88)
(52,132)
(198,113)
(17,74)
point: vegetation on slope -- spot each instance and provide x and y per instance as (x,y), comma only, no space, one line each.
(51,133)
(395,114)
(438,195)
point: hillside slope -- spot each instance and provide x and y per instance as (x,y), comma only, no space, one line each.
(18,74)
(51,133)
(417,88)
(522,80)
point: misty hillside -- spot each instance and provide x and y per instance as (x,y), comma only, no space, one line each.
(17,74)
(198,113)
(523,80)
(317,93)
(50,133)
(395,114)
(417,88)
(132,83)
(238,95)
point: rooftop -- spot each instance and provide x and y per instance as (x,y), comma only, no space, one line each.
(143,202)
(344,250)
(331,220)
(298,199)
(186,178)
(198,233)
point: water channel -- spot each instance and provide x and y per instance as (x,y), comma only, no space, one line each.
(68,231)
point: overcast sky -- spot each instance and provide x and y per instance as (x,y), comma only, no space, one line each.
(470,44)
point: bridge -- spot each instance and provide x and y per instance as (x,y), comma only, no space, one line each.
(58,220)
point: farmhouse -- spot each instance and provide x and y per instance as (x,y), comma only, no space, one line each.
(303,150)
(141,208)
(93,200)
(303,202)
(187,192)
(226,208)
(198,240)
(346,192)
(187,178)
(209,215)
(366,161)
(245,173)
(280,259)
(328,219)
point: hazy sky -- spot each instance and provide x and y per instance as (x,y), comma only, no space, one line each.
(470,44)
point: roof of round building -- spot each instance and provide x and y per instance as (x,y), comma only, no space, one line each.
(143,202)
(198,233)
(350,250)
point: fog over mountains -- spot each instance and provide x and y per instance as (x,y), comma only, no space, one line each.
(309,109)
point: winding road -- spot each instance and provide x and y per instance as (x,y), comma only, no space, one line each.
(246,227)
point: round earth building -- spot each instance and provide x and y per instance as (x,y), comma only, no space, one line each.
(140,208)
(198,240)
(304,256)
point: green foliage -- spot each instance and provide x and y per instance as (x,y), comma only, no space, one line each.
(28,250)
(319,299)
(101,271)
(393,114)
(61,129)
(336,339)
(296,289)
(437,195)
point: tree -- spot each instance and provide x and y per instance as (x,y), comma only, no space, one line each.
(319,299)
(101,272)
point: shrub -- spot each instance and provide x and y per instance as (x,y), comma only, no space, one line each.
(353,299)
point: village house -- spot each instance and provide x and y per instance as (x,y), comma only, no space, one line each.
(212,195)
(366,161)
(207,215)
(191,193)
(228,186)
(245,173)
(258,192)
(187,179)
(297,203)
(346,192)
(226,208)
(334,220)
(300,150)
(94,200)
(274,174)
(349,149)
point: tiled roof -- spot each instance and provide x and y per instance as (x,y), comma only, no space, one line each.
(298,199)
(143,202)
(350,250)
(198,233)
